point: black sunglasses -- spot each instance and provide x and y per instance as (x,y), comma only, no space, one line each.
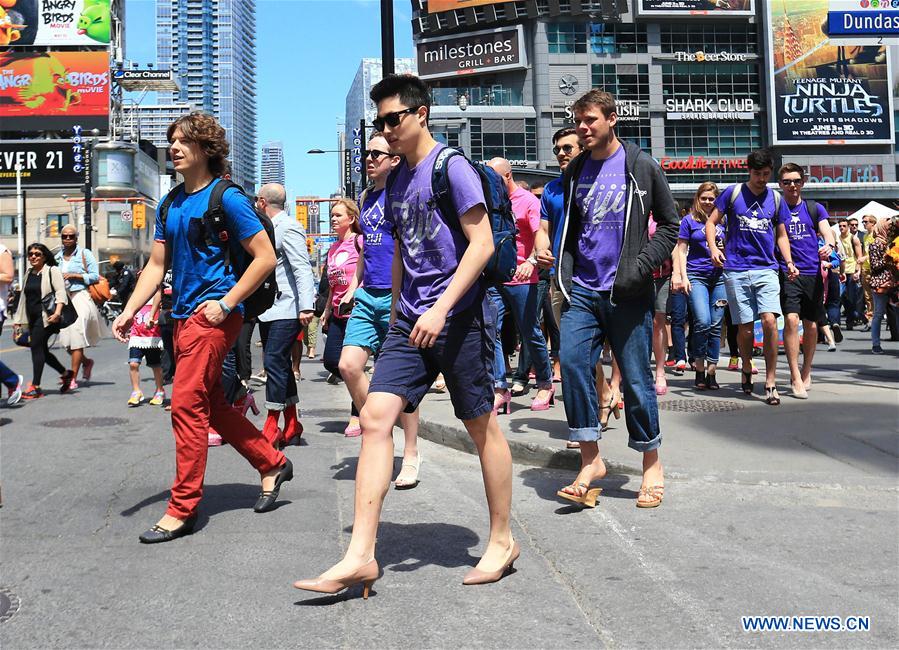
(68,236)
(791,181)
(35,254)
(392,119)
(374,154)
(567,148)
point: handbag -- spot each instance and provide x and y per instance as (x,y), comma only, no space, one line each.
(21,336)
(68,315)
(99,291)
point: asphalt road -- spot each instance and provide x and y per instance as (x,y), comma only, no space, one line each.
(78,490)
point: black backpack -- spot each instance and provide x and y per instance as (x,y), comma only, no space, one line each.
(265,294)
(502,264)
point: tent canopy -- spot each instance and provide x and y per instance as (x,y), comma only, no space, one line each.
(877,209)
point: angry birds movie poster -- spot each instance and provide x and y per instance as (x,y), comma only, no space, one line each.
(55,22)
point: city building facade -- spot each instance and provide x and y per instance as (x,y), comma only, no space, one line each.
(359,107)
(698,90)
(151,122)
(210,44)
(272,163)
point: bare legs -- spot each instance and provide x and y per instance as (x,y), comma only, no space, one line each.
(744,343)
(659,351)
(78,358)
(376,466)
(800,379)
(352,369)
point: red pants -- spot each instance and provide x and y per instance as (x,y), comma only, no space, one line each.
(198,401)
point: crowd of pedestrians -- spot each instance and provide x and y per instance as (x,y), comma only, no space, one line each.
(607,271)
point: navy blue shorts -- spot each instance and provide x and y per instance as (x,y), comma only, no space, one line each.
(463,352)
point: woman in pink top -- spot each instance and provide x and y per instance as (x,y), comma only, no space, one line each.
(342,259)
(521,296)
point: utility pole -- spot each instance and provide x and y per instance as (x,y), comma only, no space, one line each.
(20,220)
(387,37)
(88,190)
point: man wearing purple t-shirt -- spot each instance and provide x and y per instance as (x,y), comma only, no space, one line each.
(605,274)
(803,296)
(441,325)
(750,267)
(372,290)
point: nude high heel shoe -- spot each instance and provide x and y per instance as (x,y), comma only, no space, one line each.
(366,574)
(478,577)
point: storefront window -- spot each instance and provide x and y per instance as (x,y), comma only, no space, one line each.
(115,226)
(567,38)
(618,38)
(689,80)
(9,224)
(493,95)
(738,38)
(630,85)
(513,139)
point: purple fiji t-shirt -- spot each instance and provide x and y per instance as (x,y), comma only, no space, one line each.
(803,233)
(431,248)
(601,195)
(699,259)
(750,224)
(377,253)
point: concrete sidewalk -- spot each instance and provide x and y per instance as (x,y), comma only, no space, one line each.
(845,431)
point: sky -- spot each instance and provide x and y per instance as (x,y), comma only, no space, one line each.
(307,53)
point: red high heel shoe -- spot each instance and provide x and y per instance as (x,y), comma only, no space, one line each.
(544,404)
(246,403)
(504,404)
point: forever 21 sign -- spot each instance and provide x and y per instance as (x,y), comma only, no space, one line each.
(45,163)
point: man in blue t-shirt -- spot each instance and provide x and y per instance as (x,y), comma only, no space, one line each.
(207,294)
(752,227)
(803,295)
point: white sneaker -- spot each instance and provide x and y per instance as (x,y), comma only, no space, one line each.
(15,395)
(260,377)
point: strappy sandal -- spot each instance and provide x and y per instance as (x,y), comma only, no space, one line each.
(406,480)
(747,382)
(586,496)
(652,496)
(612,408)
(771,396)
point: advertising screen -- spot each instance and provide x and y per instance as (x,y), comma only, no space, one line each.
(680,8)
(56,22)
(45,163)
(436,6)
(474,52)
(821,92)
(41,91)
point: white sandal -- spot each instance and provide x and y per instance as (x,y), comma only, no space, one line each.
(408,478)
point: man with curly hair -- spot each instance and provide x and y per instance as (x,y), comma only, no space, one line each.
(207,294)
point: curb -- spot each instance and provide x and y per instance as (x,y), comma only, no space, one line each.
(523,453)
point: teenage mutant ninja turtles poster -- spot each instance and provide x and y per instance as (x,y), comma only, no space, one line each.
(680,8)
(824,91)
(55,22)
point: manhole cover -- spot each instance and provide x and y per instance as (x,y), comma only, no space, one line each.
(9,604)
(699,405)
(87,423)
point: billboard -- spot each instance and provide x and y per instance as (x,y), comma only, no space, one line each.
(45,164)
(681,8)
(470,53)
(436,6)
(57,22)
(821,92)
(42,91)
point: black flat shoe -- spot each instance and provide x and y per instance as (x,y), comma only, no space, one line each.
(266,500)
(747,382)
(711,383)
(157,534)
(700,381)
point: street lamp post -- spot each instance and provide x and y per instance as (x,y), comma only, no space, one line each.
(387,55)
(88,189)
(349,187)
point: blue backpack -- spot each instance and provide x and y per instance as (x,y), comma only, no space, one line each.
(502,264)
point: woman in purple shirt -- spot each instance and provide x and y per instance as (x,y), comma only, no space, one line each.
(703,282)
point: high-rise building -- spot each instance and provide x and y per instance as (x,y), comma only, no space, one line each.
(210,45)
(359,106)
(151,122)
(272,163)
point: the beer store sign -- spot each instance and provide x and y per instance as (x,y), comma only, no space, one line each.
(710,108)
(710,57)
(43,164)
(474,52)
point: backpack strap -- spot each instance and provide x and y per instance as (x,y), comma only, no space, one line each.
(163,214)
(215,213)
(812,206)
(777,200)
(733,196)
(442,197)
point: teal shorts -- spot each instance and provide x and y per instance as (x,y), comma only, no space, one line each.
(370,319)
